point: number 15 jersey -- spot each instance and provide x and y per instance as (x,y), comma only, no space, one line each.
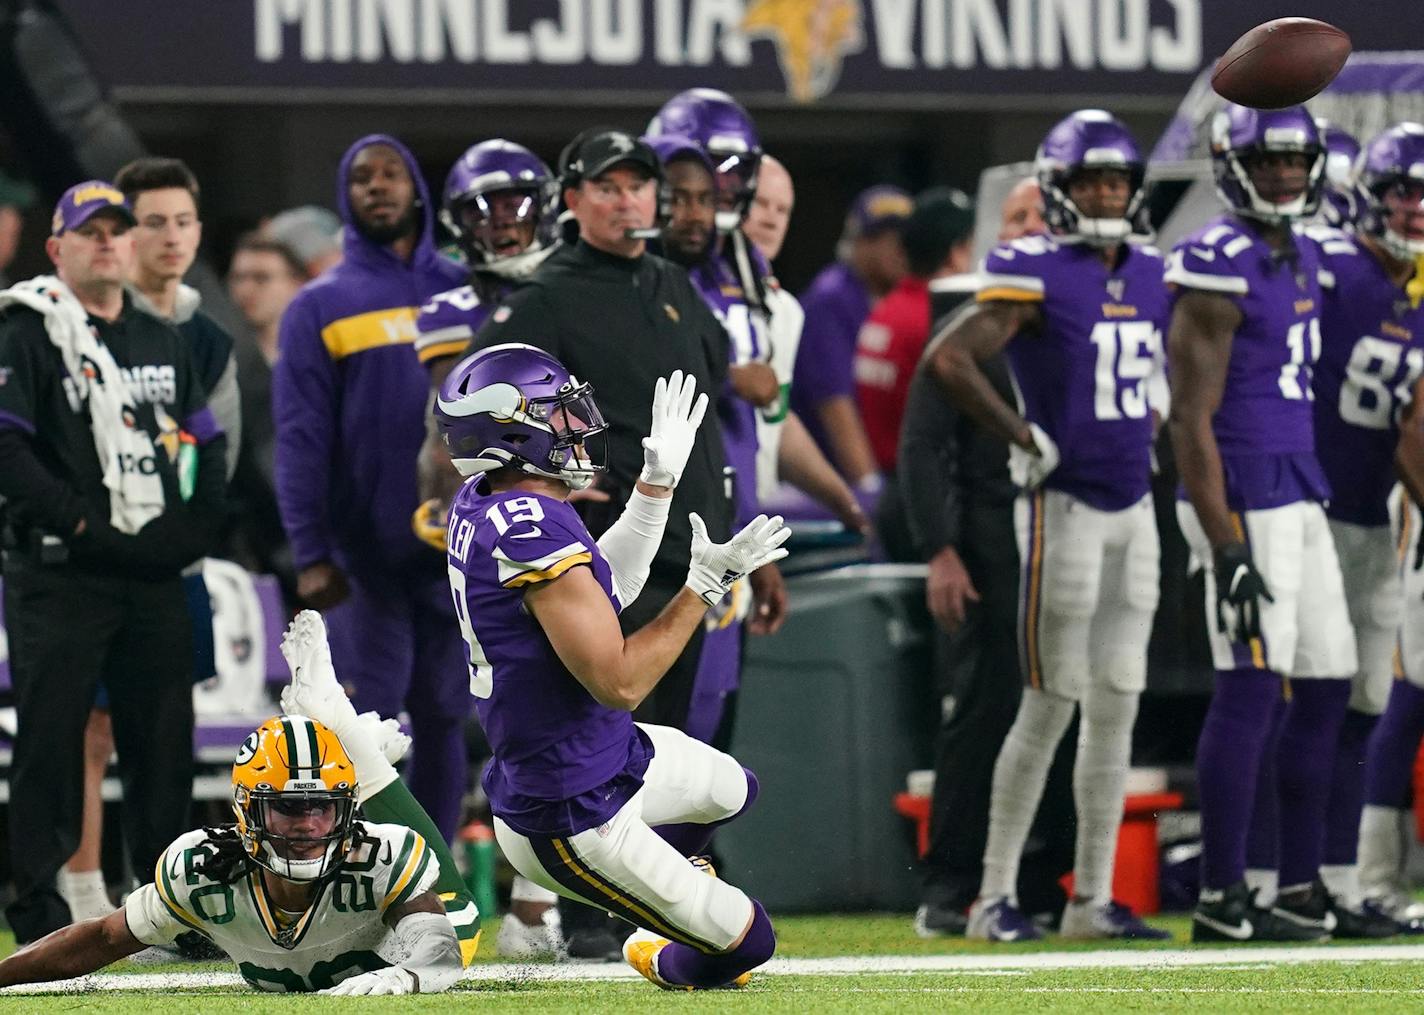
(1084,375)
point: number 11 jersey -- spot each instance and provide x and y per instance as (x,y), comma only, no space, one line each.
(1083,376)
(1264,426)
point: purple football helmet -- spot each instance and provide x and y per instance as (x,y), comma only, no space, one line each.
(717,122)
(515,406)
(1238,132)
(486,169)
(1392,163)
(1339,200)
(1085,140)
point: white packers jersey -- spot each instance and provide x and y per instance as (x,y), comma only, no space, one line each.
(341,934)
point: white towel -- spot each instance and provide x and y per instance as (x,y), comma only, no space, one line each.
(125,449)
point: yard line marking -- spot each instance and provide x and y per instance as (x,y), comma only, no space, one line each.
(1247,958)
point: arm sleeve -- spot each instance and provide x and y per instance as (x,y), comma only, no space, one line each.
(414,872)
(432,950)
(928,467)
(304,411)
(1207,264)
(225,402)
(542,540)
(41,497)
(446,324)
(1011,274)
(632,541)
(823,361)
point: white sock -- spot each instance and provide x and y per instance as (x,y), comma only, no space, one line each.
(1343,882)
(80,882)
(1265,882)
(1019,775)
(1382,853)
(524,890)
(1099,778)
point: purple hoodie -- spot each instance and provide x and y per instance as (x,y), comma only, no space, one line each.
(349,397)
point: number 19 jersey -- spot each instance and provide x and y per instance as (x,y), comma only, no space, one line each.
(1372,352)
(1083,377)
(563,762)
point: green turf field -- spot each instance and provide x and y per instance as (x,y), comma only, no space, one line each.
(862,963)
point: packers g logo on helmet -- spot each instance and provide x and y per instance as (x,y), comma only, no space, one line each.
(294,769)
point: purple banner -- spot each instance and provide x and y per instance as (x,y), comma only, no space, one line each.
(930,53)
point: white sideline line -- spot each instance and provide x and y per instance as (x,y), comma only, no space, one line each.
(998,965)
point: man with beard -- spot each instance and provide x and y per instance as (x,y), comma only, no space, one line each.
(348,399)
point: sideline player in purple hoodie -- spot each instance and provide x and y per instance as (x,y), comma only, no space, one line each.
(1244,337)
(349,401)
(1079,313)
(586,802)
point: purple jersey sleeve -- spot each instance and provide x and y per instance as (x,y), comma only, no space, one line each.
(1015,271)
(446,324)
(536,539)
(1207,261)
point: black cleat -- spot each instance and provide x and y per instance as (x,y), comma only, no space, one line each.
(1235,917)
(933,920)
(1309,909)
(594,945)
(1369,921)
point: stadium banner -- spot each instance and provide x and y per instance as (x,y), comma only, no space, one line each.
(907,53)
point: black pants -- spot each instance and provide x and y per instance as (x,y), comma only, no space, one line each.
(977,676)
(67,629)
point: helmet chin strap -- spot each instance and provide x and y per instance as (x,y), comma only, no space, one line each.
(1401,247)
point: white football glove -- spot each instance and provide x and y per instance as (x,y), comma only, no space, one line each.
(1027,470)
(391,980)
(716,567)
(676,417)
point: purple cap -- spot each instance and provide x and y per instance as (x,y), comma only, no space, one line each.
(83,201)
(878,208)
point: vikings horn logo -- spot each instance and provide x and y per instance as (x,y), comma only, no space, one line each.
(811,36)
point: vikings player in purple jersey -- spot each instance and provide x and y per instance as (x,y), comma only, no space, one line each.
(1372,356)
(576,787)
(500,202)
(1244,336)
(1372,285)
(1079,312)
(1339,198)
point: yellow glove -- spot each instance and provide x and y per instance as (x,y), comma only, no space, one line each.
(429,522)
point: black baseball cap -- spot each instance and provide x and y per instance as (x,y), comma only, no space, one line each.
(596,151)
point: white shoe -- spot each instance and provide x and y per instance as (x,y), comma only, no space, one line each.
(314,690)
(518,940)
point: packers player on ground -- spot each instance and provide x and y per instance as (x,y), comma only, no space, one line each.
(301,895)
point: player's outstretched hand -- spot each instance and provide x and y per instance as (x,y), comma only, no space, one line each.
(391,980)
(1239,591)
(717,566)
(677,413)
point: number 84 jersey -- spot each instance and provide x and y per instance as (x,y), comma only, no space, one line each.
(1372,353)
(341,934)
(1086,372)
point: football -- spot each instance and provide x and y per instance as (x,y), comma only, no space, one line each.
(1280,63)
